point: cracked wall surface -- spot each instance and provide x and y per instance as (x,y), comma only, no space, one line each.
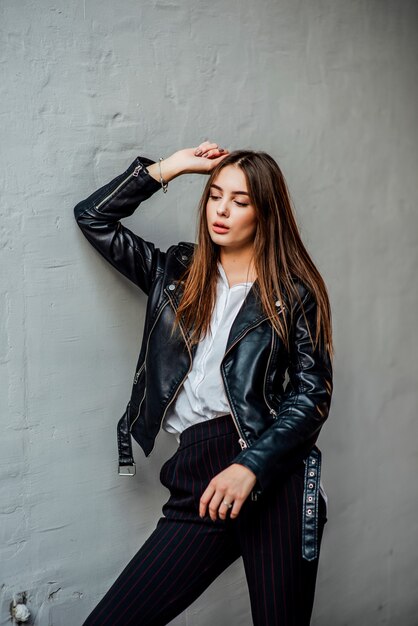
(329,88)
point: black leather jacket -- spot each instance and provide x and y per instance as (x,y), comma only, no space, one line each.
(277,427)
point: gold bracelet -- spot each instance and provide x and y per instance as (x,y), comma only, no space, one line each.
(164,185)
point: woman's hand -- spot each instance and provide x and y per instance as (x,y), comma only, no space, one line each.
(200,160)
(233,485)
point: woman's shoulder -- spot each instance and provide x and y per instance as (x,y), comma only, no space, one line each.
(300,291)
(186,247)
(182,251)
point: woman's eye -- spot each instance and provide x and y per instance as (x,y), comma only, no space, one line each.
(236,201)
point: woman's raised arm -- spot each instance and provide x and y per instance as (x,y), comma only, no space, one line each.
(99,217)
(99,214)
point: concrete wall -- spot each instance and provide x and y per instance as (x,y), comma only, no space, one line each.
(330,89)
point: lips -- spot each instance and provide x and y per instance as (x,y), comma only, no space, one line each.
(220,225)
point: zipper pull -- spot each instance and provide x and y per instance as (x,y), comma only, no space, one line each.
(137,170)
(242,443)
(273,412)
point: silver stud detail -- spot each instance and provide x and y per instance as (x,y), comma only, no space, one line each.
(309,511)
(171,287)
(184,257)
(310,498)
(311,473)
(310,485)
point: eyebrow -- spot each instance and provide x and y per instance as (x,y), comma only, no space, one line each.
(241,193)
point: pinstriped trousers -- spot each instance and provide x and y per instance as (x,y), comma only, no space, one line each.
(185,553)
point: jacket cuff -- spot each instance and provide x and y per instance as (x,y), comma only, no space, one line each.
(139,168)
(267,473)
(248,462)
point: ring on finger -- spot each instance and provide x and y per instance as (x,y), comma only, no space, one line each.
(229,505)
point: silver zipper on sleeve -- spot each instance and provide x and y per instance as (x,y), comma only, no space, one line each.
(134,173)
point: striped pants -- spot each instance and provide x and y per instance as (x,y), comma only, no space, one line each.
(185,553)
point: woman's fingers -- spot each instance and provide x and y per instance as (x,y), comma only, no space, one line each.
(233,485)
(236,508)
(207,148)
(213,500)
(214,505)
(213,153)
(205,499)
(206,145)
(223,508)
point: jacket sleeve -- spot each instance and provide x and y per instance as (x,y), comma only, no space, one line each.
(99,217)
(303,409)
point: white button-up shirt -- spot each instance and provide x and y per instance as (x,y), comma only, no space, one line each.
(202,396)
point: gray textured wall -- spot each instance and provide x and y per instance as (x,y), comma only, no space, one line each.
(330,89)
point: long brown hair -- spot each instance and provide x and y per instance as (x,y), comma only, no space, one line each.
(279,255)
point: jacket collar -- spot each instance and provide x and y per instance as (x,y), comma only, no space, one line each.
(249,315)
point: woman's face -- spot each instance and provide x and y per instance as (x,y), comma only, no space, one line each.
(229,205)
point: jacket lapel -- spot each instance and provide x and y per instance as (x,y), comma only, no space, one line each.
(250,314)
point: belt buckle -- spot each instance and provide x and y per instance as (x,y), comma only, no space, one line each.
(127,470)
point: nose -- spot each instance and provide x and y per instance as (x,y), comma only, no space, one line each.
(221,208)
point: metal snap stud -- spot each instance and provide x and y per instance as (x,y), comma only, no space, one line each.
(310,498)
(171,287)
(311,473)
(311,485)
(309,511)
(184,257)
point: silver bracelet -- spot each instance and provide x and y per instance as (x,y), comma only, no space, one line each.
(164,185)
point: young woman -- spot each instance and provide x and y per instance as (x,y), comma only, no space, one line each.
(227,319)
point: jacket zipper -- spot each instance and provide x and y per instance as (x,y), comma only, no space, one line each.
(272,411)
(242,439)
(143,366)
(184,377)
(138,373)
(134,173)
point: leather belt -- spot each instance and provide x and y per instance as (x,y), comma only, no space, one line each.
(310,504)
(126,459)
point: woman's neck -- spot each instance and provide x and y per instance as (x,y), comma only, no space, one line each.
(239,267)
